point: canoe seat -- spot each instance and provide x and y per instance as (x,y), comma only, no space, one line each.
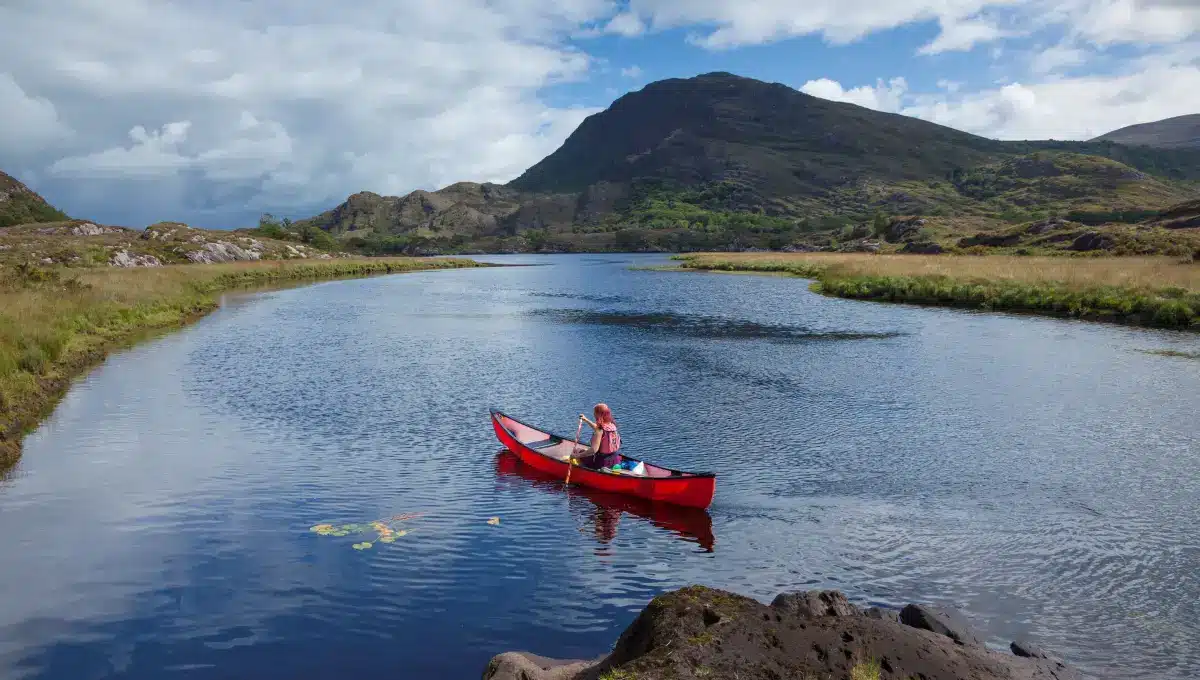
(543,443)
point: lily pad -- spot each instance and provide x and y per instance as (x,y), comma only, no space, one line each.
(362,546)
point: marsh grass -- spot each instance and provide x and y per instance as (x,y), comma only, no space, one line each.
(1151,291)
(55,323)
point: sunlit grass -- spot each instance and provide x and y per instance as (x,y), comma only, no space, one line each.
(868,670)
(56,322)
(1154,291)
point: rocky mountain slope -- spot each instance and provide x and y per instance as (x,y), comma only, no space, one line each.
(19,204)
(78,243)
(1180,132)
(708,161)
(34,232)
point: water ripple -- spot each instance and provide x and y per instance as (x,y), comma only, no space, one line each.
(1041,475)
(697,326)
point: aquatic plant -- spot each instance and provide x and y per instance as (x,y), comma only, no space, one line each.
(383,528)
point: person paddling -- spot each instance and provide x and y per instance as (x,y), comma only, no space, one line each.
(606,440)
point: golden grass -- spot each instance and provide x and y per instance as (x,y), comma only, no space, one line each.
(1147,273)
(868,670)
(1154,291)
(56,323)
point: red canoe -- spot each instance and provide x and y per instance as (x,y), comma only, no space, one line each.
(693,525)
(548,452)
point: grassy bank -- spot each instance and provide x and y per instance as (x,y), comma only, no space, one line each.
(1149,291)
(55,323)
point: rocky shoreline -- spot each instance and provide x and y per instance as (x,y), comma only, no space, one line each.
(699,632)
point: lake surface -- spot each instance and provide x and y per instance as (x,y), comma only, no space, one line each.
(1042,475)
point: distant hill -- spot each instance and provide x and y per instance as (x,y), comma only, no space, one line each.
(722,161)
(766,137)
(1181,132)
(21,205)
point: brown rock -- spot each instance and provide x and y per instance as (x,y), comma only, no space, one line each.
(922,248)
(701,632)
(941,621)
(1091,241)
(525,666)
(812,604)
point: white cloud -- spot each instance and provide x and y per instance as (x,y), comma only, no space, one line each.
(626,24)
(881,97)
(246,105)
(152,154)
(1065,108)
(288,107)
(30,123)
(1107,22)
(731,23)
(1056,58)
(962,36)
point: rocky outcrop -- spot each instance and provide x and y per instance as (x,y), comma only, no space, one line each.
(1043,226)
(222,251)
(89,229)
(1092,241)
(698,632)
(862,246)
(923,248)
(990,240)
(167,231)
(526,666)
(123,258)
(940,621)
(81,229)
(905,229)
(202,246)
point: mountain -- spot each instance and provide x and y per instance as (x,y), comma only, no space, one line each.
(21,205)
(719,160)
(1181,132)
(767,136)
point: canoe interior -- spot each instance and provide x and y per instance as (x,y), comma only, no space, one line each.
(559,448)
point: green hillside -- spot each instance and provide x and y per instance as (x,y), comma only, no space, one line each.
(20,205)
(724,162)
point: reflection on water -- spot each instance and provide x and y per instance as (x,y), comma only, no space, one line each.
(587,297)
(689,524)
(1040,474)
(703,326)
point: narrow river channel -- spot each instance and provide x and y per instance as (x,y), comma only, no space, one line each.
(1041,475)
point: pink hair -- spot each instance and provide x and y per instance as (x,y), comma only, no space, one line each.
(603,414)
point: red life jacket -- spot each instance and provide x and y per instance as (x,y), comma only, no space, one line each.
(610,439)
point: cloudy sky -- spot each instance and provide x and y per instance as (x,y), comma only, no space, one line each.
(214,111)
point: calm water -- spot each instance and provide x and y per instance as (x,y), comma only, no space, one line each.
(1042,475)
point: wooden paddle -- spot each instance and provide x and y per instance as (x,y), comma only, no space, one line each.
(571,457)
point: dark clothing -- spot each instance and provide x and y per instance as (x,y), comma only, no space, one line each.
(609,440)
(600,460)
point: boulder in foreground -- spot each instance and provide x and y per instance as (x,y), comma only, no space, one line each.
(699,632)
